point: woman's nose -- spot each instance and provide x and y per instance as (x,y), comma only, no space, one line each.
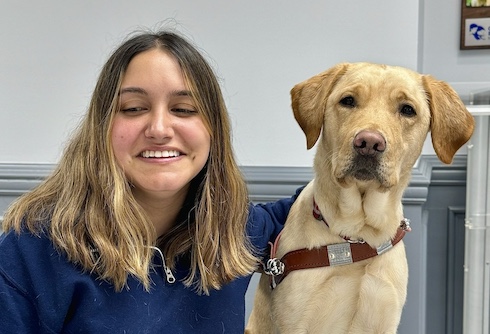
(159,125)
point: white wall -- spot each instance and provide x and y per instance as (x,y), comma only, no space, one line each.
(466,70)
(53,50)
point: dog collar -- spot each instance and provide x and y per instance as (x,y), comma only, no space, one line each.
(326,256)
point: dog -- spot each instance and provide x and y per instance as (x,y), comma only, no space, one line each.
(339,265)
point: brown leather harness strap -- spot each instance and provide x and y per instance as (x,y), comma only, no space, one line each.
(330,255)
(326,256)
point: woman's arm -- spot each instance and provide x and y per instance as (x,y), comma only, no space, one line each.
(267,220)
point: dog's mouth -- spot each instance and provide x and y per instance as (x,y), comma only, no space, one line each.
(365,168)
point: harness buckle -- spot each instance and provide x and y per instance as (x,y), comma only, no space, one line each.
(274,267)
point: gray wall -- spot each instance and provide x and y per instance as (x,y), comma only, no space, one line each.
(434,201)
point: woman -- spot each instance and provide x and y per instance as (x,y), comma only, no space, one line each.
(145,225)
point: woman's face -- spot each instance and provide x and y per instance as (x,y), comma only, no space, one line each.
(158,137)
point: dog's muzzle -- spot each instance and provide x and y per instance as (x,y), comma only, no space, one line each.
(369,147)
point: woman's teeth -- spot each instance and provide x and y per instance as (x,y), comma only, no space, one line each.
(160,154)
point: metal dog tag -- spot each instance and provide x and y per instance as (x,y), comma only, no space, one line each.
(339,254)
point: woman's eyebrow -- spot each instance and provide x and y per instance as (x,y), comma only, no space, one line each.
(137,90)
(181,93)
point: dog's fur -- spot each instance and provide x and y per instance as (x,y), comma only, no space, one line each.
(358,191)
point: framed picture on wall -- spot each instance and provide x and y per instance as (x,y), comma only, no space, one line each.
(475,24)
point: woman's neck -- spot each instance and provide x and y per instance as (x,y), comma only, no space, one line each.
(162,209)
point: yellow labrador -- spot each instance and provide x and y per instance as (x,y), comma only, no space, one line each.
(370,122)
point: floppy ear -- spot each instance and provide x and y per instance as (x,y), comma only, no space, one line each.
(308,100)
(451,124)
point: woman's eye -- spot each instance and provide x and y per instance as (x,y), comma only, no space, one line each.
(132,109)
(186,111)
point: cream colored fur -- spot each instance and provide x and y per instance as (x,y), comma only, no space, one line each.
(367,296)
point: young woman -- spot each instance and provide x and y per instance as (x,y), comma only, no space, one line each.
(145,225)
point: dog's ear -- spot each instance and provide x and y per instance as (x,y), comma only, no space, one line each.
(308,100)
(451,124)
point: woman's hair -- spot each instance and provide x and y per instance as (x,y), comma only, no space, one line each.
(87,208)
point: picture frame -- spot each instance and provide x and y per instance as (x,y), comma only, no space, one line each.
(475,24)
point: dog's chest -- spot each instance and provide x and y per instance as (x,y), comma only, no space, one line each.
(334,299)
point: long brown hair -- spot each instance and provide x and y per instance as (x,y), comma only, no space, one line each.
(87,208)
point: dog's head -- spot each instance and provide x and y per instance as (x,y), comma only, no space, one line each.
(375,119)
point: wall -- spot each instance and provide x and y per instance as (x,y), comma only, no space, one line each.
(434,201)
(466,70)
(439,53)
(53,50)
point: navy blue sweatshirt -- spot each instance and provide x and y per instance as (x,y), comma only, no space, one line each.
(42,292)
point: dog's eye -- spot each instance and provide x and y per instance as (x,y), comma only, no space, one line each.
(348,101)
(407,110)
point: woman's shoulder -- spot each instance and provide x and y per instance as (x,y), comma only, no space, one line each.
(27,258)
(266,220)
(15,244)
(36,281)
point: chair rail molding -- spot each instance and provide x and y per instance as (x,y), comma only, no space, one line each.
(270,183)
(266,183)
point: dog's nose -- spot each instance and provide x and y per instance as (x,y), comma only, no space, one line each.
(369,143)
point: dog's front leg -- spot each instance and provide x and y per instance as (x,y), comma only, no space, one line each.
(260,321)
